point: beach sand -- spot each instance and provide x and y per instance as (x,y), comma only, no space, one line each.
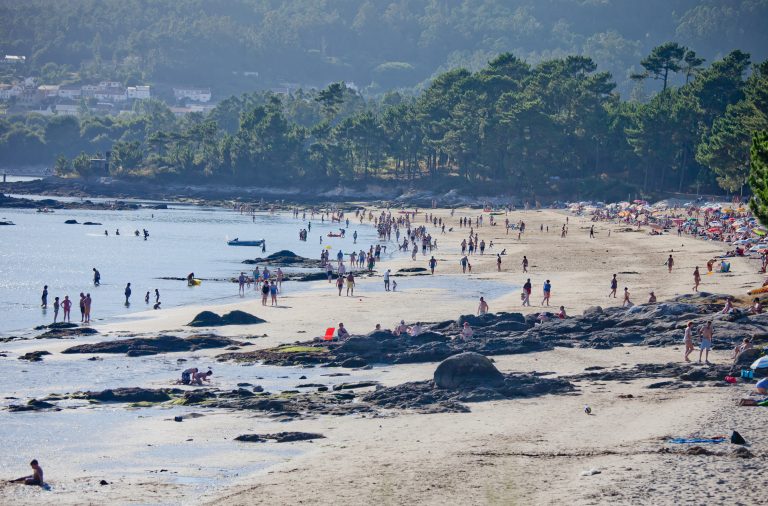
(528,451)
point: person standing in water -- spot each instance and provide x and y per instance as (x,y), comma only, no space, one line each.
(88,301)
(128,294)
(82,307)
(66,305)
(96,277)
(55,309)
(241,284)
(44,298)
(157,296)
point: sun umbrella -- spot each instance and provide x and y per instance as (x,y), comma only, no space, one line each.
(760,363)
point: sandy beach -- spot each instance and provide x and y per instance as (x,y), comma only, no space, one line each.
(543,450)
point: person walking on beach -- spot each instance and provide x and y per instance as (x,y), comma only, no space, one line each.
(432,264)
(626,302)
(55,309)
(527,287)
(464,261)
(88,301)
(96,277)
(706,341)
(386,280)
(350,284)
(614,286)
(592,232)
(340,283)
(264,293)
(273,292)
(280,276)
(688,341)
(44,298)
(498,262)
(547,292)
(696,279)
(669,263)
(66,305)
(127,294)
(525,263)
(483,307)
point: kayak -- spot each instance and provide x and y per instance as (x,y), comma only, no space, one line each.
(238,242)
(196,282)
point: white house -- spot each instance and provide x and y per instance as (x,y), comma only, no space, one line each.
(138,92)
(11,59)
(111,94)
(48,90)
(67,109)
(195,94)
(70,91)
(8,91)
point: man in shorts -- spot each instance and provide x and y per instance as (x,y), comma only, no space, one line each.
(706,341)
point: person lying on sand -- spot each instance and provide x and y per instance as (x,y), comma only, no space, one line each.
(36,478)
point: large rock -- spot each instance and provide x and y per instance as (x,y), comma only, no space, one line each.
(132,394)
(211,319)
(467,370)
(152,346)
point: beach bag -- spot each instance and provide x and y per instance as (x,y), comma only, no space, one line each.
(747,373)
(737,439)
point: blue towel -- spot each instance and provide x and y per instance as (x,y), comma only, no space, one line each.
(681,440)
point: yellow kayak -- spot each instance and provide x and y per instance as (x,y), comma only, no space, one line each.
(196,282)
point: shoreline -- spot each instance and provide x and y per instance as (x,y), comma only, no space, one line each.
(527,450)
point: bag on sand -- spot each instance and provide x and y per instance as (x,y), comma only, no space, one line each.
(737,439)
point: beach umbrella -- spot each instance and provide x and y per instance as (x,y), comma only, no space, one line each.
(760,363)
(758,231)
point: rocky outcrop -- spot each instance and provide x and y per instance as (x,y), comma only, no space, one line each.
(280,437)
(139,346)
(285,258)
(131,394)
(211,319)
(467,370)
(34,356)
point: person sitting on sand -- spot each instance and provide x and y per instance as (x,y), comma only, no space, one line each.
(561,314)
(757,307)
(199,377)
(746,344)
(400,329)
(466,331)
(36,478)
(728,308)
(342,332)
(762,386)
(651,298)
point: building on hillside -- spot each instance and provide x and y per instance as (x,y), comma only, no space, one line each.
(70,91)
(48,90)
(11,59)
(194,94)
(67,109)
(8,91)
(111,94)
(138,92)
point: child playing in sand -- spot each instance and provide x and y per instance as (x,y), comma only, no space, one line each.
(36,478)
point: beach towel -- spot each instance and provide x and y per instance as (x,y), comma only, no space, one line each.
(697,440)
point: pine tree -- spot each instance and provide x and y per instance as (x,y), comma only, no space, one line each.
(758,176)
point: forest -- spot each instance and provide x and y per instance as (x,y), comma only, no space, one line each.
(379,45)
(555,127)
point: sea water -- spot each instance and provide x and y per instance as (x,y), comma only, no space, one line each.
(42,250)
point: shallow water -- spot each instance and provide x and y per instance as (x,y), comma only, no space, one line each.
(42,250)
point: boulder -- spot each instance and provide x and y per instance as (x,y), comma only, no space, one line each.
(206,319)
(34,356)
(467,370)
(211,319)
(130,394)
(141,346)
(70,222)
(280,437)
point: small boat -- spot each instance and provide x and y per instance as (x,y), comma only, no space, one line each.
(238,242)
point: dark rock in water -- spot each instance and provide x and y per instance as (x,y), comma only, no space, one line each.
(58,325)
(131,394)
(210,319)
(258,389)
(68,333)
(34,356)
(91,223)
(285,258)
(353,386)
(466,370)
(33,405)
(280,437)
(413,269)
(6,223)
(152,346)
(71,222)
(310,385)
(352,363)
(159,207)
